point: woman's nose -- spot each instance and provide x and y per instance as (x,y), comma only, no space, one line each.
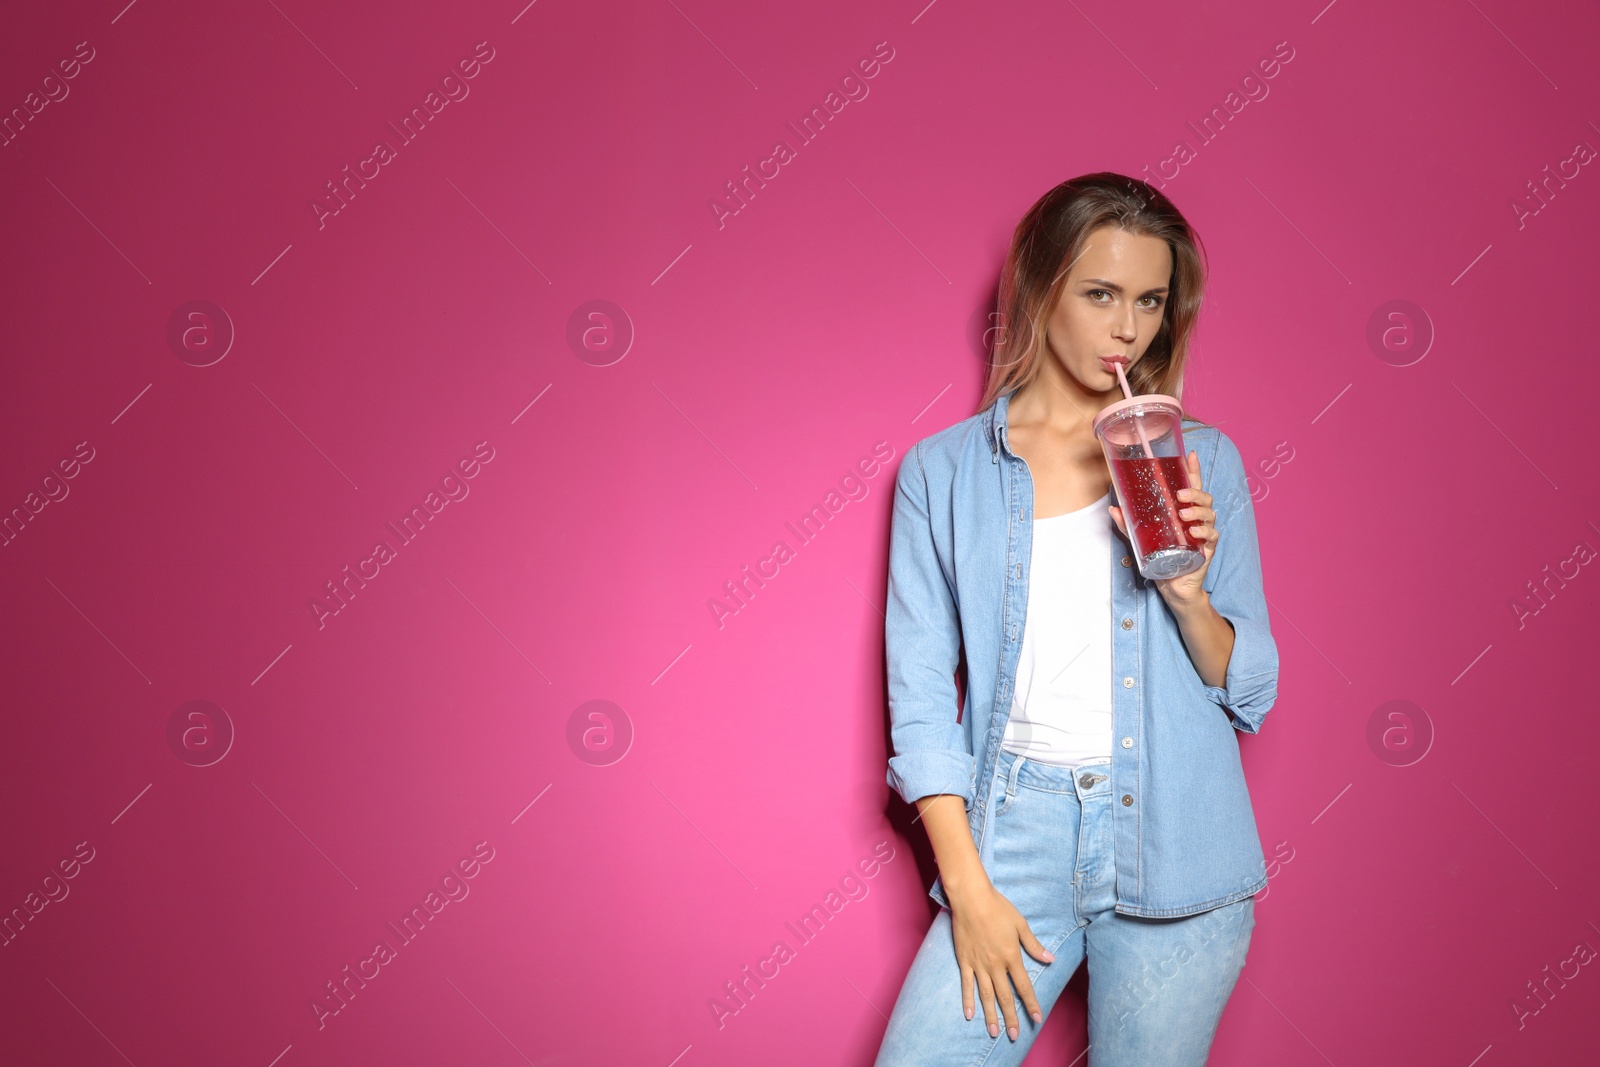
(1126,328)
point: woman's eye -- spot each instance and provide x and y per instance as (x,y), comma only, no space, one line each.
(1094,293)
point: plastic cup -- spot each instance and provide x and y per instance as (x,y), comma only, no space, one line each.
(1143,441)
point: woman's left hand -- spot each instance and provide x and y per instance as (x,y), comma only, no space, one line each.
(1195,509)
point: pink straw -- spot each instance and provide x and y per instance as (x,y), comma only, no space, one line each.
(1137,424)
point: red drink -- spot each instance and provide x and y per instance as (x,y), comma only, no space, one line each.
(1143,442)
(1148,491)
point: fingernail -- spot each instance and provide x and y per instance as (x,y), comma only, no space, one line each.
(1050,956)
(1038,1018)
(969,1014)
(1012,1033)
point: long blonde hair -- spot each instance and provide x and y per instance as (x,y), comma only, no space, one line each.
(1045,245)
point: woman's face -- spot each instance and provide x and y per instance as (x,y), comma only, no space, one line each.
(1112,306)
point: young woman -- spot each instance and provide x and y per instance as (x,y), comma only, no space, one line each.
(1089,802)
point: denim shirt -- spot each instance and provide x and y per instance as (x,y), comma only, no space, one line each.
(1184,833)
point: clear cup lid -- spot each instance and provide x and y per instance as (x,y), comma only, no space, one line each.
(1157,412)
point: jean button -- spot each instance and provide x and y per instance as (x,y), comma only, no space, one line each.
(1127,800)
(1127,561)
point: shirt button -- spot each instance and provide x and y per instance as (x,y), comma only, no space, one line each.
(1127,683)
(1127,800)
(1127,624)
(1127,742)
(1127,561)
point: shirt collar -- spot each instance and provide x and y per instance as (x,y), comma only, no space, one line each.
(997,427)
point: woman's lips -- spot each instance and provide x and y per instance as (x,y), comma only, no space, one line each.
(1108,361)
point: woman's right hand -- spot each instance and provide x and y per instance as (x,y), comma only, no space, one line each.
(990,934)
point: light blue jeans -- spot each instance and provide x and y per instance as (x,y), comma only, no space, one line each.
(1157,987)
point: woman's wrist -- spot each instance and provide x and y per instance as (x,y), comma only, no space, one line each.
(1192,605)
(945,818)
(964,878)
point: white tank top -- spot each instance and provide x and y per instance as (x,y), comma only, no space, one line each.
(1061,707)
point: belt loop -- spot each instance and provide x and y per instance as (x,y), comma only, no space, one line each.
(1011,782)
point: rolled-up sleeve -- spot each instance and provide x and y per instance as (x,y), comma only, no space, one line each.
(1234,583)
(922,645)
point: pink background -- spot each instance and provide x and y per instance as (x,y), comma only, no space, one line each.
(739,374)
